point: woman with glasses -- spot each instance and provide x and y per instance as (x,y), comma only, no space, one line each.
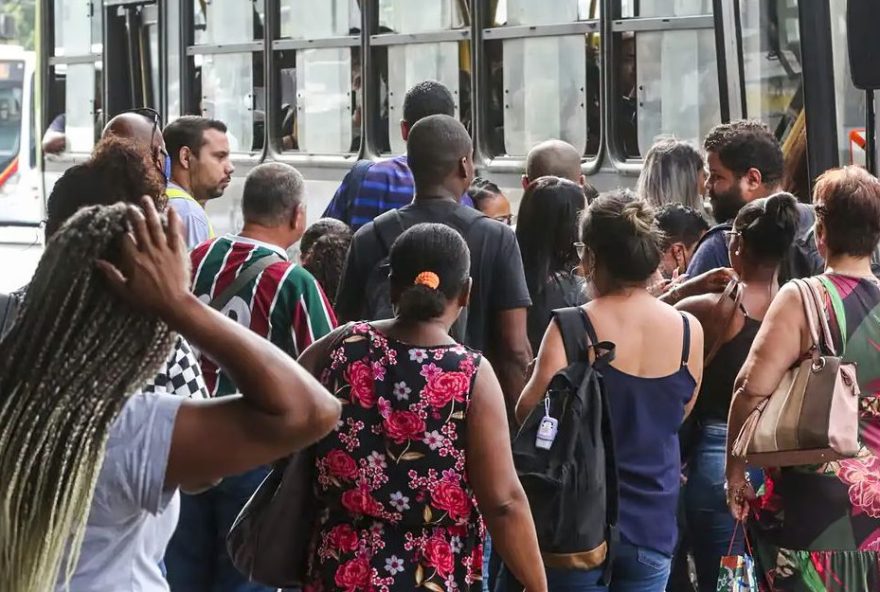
(651,386)
(761,236)
(489,199)
(547,233)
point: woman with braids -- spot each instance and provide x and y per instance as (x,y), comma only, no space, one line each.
(90,465)
(422,442)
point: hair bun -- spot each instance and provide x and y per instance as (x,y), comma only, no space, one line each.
(428,279)
(639,215)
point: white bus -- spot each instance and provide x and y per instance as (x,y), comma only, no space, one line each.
(21,201)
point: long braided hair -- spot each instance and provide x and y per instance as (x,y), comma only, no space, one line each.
(73,357)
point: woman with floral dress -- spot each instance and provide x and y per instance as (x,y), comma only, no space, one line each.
(422,443)
(817,528)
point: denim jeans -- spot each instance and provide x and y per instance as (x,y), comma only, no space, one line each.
(196,558)
(635,569)
(709,523)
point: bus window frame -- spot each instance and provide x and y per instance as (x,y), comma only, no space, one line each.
(46,47)
(614,24)
(516,164)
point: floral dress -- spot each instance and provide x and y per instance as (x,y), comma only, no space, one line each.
(396,509)
(817,528)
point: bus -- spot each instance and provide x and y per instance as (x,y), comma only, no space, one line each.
(21,202)
(319,84)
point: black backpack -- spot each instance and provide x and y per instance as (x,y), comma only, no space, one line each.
(388,227)
(572,487)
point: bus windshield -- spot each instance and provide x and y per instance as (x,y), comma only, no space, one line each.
(11,89)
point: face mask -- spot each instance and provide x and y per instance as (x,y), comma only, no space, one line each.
(167,170)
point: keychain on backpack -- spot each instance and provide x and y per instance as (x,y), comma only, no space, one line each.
(548,428)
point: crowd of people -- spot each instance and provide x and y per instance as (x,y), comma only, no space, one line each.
(153,374)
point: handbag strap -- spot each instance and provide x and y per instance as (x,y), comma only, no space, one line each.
(810,314)
(740,524)
(823,318)
(734,290)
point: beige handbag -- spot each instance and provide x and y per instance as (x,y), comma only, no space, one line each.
(812,416)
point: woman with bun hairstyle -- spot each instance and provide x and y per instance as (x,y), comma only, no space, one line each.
(422,448)
(761,236)
(651,386)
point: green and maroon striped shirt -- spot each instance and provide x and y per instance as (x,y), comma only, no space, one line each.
(284,303)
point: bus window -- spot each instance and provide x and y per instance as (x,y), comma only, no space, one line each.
(233,92)
(74,115)
(772,62)
(11,97)
(172,61)
(666,80)
(225,85)
(227,21)
(319,88)
(849,101)
(542,84)
(437,47)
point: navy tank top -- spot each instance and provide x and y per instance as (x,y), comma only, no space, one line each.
(645,416)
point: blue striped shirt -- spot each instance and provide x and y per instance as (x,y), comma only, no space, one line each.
(387,185)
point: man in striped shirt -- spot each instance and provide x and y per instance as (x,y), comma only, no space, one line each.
(249,278)
(373,188)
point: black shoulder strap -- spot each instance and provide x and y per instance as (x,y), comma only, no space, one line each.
(245,277)
(686,344)
(575,327)
(463,218)
(388,227)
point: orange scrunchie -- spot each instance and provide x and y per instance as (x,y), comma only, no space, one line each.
(429,279)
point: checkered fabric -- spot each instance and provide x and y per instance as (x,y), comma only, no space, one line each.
(181,375)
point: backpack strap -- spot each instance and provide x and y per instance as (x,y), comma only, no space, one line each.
(388,227)
(686,343)
(464,218)
(574,327)
(220,301)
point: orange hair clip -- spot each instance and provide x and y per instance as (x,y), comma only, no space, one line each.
(429,279)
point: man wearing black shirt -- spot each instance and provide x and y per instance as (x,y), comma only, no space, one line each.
(439,153)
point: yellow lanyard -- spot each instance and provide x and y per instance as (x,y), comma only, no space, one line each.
(177,193)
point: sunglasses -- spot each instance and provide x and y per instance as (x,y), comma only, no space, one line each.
(156,118)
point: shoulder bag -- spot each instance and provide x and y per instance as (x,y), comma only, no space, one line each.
(812,416)
(269,540)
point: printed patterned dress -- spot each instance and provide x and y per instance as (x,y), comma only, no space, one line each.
(817,528)
(397,512)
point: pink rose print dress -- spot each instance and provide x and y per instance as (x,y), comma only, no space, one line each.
(397,512)
(817,528)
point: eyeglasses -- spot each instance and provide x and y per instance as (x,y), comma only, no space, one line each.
(509,219)
(581,248)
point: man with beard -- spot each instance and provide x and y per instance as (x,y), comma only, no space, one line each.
(200,171)
(745,164)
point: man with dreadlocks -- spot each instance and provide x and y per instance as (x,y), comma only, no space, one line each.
(90,464)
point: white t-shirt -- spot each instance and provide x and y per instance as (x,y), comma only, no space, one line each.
(132,516)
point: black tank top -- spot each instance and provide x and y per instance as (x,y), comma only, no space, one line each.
(716,391)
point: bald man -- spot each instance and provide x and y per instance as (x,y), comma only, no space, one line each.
(144,130)
(553,158)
